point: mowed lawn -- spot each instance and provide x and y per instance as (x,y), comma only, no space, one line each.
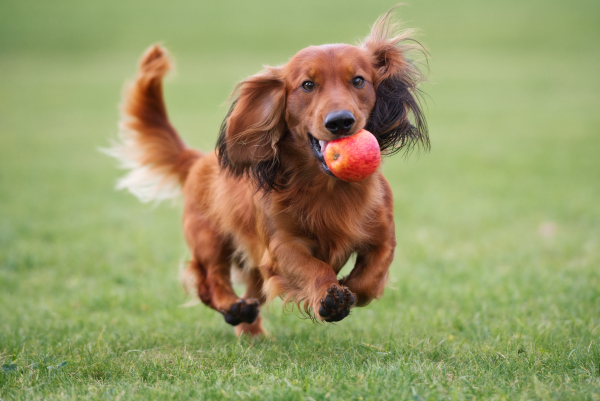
(494,292)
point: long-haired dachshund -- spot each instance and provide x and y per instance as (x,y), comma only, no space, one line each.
(265,202)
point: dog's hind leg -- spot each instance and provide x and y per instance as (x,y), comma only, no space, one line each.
(254,283)
(211,266)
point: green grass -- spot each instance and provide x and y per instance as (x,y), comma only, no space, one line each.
(495,289)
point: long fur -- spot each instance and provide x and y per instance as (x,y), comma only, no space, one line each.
(149,147)
(263,173)
(398,91)
(263,199)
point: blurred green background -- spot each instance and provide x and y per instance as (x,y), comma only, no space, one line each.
(498,226)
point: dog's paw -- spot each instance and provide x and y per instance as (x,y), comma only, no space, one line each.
(336,304)
(243,311)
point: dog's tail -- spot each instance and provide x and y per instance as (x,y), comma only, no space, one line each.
(148,145)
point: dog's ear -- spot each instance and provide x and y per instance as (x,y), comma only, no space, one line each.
(396,87)
(253,126)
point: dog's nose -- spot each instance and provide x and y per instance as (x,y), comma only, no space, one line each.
(339,122)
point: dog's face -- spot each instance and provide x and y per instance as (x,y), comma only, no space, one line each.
(330,94)
(323,93)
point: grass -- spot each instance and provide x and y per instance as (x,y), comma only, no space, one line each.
(495,289)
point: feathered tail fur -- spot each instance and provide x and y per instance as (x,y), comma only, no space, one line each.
(148,144)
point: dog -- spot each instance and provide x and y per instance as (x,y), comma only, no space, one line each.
(264,202)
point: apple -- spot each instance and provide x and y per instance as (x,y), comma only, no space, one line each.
(353,158)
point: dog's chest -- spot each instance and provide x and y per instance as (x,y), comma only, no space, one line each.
(335,229)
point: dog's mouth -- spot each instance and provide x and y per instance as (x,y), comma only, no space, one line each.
(318,146)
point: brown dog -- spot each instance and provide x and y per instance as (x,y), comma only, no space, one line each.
(265,201)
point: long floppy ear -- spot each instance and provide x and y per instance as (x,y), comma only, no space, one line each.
(255,123)
(396,87)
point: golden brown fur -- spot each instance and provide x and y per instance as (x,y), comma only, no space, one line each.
(262,202)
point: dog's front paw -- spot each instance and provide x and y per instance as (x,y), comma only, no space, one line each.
(243,311)
(336,304)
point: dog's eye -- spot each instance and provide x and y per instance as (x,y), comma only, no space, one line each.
(358,82)
(308,85)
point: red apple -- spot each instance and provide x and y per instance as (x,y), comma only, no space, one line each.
(353,158)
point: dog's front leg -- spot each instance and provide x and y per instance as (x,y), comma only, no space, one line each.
(367,279)
(292,272)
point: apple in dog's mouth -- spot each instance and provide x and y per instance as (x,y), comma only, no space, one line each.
(353,158)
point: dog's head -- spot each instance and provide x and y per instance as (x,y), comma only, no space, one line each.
(323,93)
